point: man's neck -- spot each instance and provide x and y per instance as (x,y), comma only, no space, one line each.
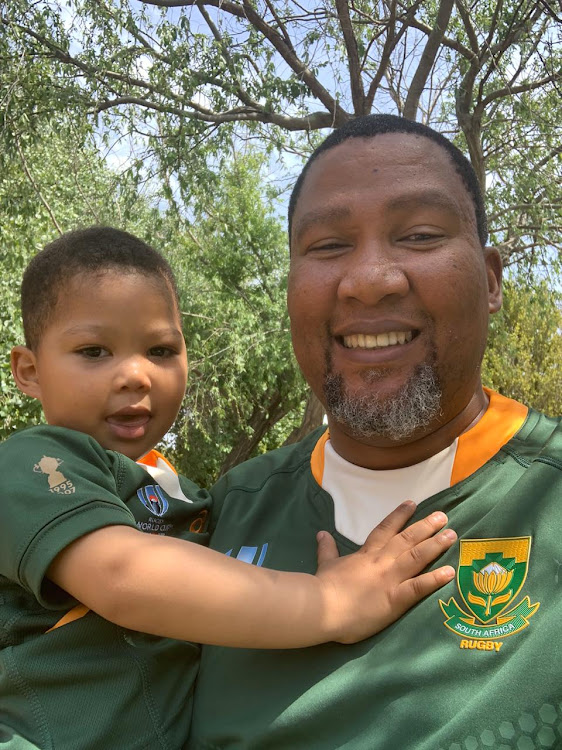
(385,454)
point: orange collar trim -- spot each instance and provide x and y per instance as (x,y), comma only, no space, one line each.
(317,457)
(501,420)
(151,459)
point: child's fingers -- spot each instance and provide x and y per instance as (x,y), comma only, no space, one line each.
(390,526)
(415,589)
(397,543)
(414,560)
(327,549)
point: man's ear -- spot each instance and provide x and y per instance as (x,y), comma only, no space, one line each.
(24,370)
(494,274)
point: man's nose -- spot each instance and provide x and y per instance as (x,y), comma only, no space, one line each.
(133,373)
(372,273)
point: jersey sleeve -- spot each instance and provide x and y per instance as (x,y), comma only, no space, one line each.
(57,485)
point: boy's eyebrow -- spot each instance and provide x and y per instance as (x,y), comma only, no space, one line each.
(94,328)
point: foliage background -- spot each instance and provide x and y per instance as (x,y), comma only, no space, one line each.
(187,125)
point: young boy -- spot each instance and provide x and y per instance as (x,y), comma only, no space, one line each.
(106,357)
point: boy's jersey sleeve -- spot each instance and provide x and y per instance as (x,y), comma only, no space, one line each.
(56,486)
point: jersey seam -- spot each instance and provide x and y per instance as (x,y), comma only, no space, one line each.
(30,694)
(525,462)
(120,471)
(147,695)
(291,470)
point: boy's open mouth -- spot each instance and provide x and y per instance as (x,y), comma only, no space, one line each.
(129,424)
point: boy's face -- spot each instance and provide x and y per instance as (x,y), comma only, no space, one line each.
(112,362)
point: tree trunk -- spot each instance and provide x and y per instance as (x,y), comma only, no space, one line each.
(261,421)
(312,418)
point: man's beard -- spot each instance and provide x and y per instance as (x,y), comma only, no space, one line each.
(395,418)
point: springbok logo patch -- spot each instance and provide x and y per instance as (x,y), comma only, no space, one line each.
(490,575)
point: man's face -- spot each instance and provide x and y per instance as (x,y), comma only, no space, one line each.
(389,288)
(112,362)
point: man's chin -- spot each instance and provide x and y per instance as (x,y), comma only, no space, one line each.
(396,415)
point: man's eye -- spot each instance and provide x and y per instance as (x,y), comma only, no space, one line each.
(161,352)
(327,247)
(93,352)
(421,237)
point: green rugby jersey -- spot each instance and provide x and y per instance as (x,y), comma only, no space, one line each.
(476,665)
(70,680)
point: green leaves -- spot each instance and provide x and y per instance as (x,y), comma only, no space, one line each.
(232,266)
(525,345)
(158,120)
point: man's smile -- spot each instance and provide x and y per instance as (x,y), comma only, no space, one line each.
(377,341)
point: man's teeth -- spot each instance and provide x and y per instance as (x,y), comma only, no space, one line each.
(367,341)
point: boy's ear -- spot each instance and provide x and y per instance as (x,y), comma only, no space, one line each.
(24,370)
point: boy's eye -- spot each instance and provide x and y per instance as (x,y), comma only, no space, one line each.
(161,352)
(93,352)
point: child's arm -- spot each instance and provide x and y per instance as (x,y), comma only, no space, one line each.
(174,588)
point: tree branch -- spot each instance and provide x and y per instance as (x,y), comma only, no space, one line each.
(511,90)
(37,188)
(392,39)
(313,121)
(354,67)
(339,115)
(427,59)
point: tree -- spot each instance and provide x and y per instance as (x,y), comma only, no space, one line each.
(190,93)
(50,183)
(244,387)
(183,75)
(525,345)
(232,259)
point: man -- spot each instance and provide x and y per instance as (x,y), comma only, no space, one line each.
(390,290)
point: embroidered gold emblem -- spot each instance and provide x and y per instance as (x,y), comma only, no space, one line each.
(490,575)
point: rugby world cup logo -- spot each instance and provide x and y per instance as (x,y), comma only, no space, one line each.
(490,575)
(153,498)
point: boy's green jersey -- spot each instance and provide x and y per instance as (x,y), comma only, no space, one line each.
(70,680)
(476,665)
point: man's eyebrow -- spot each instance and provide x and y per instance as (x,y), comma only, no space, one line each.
(421,198)
(429,198)
(319,216)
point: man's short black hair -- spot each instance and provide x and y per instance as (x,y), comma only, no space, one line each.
(84,251)
(370,126)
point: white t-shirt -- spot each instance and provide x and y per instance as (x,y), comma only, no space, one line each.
(363,497)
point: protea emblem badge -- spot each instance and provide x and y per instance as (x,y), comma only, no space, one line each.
(490,575)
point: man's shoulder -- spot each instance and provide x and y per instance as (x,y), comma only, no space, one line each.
(287,460)
(539,438)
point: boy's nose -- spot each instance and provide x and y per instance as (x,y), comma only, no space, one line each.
(133,374)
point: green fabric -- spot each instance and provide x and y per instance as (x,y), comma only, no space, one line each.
(413,685)
(88,684)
